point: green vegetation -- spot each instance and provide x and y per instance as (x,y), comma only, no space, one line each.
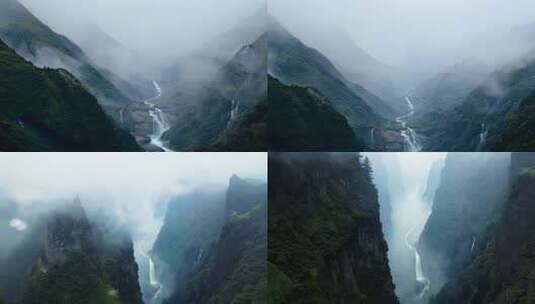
(80,280)
(502,268)
(49,110)
(319,203)
(248,134)
(31,38)
(303,120)
(232,263)
(295,63)
(519,133)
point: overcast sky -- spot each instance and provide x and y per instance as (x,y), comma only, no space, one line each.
(401,32)
(128,185)
(148,26)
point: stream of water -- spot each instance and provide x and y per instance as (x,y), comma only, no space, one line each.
(160,124)
(408,134)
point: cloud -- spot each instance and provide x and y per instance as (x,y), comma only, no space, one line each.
(413,34)
(18,224)
(153,28)
(129,186)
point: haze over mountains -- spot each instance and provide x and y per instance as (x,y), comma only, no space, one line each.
(441,77)
(116,241)
(410,228)
(124,72)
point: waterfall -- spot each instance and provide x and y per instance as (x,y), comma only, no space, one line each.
(199,256)
(409,135)
(482,137)
(418,268)
(233,110)
(473,244)
(160,124)
(121,116)
(153,280)
(372,137)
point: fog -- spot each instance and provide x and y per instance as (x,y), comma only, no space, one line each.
(419,37)
(409,209)
(153,28)
(130,186)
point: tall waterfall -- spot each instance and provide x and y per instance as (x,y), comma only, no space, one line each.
(153,280)
(482,137)
(160,124)
(418,269)
(409,135)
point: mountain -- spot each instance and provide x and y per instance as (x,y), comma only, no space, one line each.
(501,267)
(191,226)
(68,259)
(468,199)
(519,131)
(489,115)
(358,66)
(215,246)
(450,88)
(235,271)
(50,110)
(301,119)
(292,62)
(326,242)
(105,51)
(226,103)
(37,43)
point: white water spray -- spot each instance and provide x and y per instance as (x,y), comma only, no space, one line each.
(408,134)
(160,124)
(418,269)
(153,280)
(482,137)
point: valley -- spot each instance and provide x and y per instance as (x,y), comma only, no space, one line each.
(133,241)
(213,95)
(463,96)
(409,228)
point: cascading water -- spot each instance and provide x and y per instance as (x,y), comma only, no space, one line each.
(473,244)
(408,134)
(482,137)
(153,280)
(372,137)
(233,111)
(418,269)
(199,256)
(160,124)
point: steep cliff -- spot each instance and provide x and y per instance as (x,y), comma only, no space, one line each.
(325,239)
(502,269)
(219,254)
(192,225)
(68,259)
(471,192)
(302,119)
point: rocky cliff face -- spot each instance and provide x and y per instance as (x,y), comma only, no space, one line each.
(218,252)
(326,243)
(502,268)
(471,192)
(71,260)
(206,119)
(192,225)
